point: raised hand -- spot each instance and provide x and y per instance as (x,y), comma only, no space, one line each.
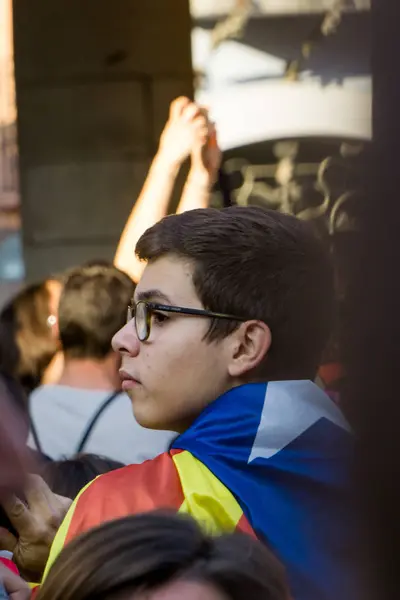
(186,126)
(37,521)
(206,157)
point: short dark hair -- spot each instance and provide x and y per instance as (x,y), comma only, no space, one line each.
(92,309)
(142,553)
(27,344)
(68,477)
(258,264)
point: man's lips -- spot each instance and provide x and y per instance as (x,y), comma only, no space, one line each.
(128,380)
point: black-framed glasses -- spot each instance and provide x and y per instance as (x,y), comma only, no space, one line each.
(142,312)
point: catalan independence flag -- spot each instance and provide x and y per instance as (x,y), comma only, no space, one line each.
(271,459)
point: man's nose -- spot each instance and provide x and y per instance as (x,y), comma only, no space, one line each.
(125,341)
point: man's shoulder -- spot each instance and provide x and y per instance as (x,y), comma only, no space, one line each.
(151,485)
(40,391)
(48,391)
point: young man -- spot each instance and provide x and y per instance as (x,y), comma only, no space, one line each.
(85,410)
(228,324)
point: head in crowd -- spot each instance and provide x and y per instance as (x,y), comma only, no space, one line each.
(264,269)
(167,557)
(92,308)
(68,477)
(28,336)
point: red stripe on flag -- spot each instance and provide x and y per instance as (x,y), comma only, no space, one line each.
(154,484)
(245,527)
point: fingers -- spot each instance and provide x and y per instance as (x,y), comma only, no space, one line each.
(191,112)
(201,130)
(65,503)
(38,494)
(17,512)
(40,497)
(205,112)
(44,504)
(178,106)
(186,129)
(44,509)
(213,142)
(8,541)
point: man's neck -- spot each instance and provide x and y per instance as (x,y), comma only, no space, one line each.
(90,374)
(54,370)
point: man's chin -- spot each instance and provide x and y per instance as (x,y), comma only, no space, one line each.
(145,417)
(148,421)
(141,416)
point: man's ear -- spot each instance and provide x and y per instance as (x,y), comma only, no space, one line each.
(250,344)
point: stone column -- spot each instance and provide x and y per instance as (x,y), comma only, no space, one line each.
(94,80)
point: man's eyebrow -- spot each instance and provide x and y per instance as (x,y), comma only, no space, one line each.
(152,295)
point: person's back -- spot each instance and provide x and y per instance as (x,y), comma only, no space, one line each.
(86,410)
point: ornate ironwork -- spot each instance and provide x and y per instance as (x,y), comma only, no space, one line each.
(324,192)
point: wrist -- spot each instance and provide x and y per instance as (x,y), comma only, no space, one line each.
(200,179)
(166,163)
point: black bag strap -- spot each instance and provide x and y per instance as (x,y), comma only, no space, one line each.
(35,435)
(39,450)
(90,426)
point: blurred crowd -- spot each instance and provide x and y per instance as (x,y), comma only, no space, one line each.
(164,430)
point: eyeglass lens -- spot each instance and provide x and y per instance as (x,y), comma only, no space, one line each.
(141,321)
(139,312)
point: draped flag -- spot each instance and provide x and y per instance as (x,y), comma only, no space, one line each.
(269,459)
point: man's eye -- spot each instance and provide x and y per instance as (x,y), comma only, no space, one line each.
(159,317)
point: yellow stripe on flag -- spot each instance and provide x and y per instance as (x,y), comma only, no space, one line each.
(206,498)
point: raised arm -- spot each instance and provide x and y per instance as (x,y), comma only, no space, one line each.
(205,161)
(186,124)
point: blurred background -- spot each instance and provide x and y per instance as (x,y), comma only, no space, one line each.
(85,89)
